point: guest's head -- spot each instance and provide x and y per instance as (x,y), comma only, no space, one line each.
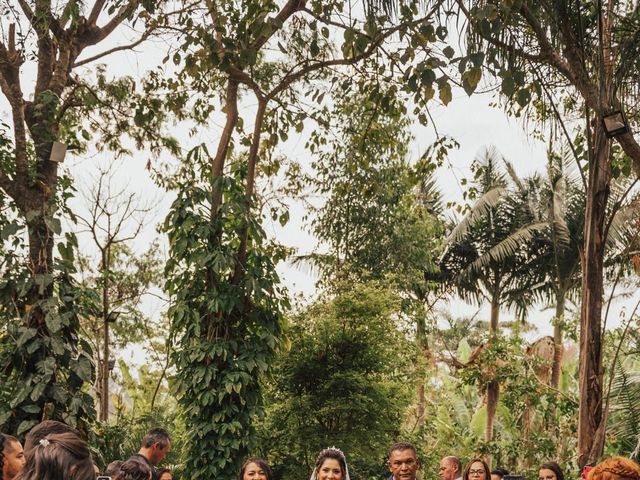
(11,457)
(550,471)
(477,469)
(498,473)
(58,456)
(156,444)
(134,469)
(403,461)
(43,429)
(615,468)
(164,474)
(255,468)
(450,468)
(113,469)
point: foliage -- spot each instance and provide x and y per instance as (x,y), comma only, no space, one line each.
(45,364)
(226,332)
(343,380)
(485,256)
(371,220)
(144,403)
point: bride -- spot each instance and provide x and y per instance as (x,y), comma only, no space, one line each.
(331,465)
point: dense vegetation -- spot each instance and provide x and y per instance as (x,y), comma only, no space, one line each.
(235,366)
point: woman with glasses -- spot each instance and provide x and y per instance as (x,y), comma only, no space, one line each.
(477,469)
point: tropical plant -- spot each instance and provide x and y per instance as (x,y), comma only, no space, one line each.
(486,256)
(344,379)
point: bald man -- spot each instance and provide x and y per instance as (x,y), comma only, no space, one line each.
(450,468)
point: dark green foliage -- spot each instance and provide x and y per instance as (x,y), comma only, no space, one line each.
(343,381)
(226,327)
(45,364)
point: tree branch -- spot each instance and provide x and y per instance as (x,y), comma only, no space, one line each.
(113,50)
(95,11)
(291,7)
(112,24)
(249,187)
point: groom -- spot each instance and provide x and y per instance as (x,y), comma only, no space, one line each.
(403,461)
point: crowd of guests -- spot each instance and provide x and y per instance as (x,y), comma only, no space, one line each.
(55,451)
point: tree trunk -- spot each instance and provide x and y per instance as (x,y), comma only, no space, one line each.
(493,388)
(104,387)
(590,413)
(423,344)
(558,347)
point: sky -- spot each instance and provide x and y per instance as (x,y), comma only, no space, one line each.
(473,121)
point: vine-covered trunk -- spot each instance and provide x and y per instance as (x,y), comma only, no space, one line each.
(590,430)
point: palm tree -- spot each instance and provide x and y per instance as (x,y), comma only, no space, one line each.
(485,254)
(557,261)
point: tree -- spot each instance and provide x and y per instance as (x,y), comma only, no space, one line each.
(587,49)
(49,362)
(342,381)
(379,216)
(114,219)
(556,253)
(485,254)
(236,292)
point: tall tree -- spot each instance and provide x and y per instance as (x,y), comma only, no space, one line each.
(486,255)
(379,216)
(50,38)
(223,60)
(114,218)
(591,49)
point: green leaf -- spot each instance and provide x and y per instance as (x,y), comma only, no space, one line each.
(314,50)
(449,52)
(27,334)
(508,86)
(445,93)
(523,97)
(25,426)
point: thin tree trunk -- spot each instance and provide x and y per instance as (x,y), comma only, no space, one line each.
(558,348)
(104,387)
(493,388)
(590,445)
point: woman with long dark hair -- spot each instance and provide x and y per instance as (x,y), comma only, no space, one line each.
(255,468)
(62,456)
(331,464)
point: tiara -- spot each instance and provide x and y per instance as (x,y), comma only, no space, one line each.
(44,442)
(334,449)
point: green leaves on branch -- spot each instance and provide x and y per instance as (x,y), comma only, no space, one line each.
(227,324)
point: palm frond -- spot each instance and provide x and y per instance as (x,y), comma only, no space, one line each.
(506,248)
(512,174)
(484,204)
(312,263)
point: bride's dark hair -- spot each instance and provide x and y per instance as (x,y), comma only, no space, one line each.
(334,454)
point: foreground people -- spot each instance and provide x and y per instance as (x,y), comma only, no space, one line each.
(403,461)
(11,456)
(331,464)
